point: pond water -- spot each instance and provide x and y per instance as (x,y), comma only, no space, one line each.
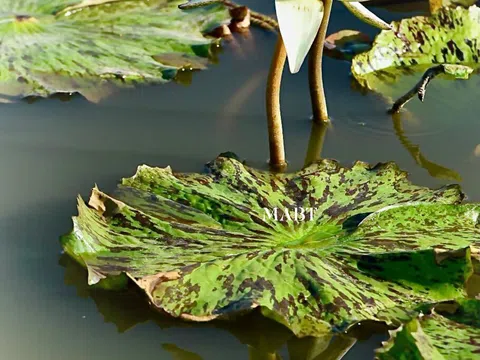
(53,150)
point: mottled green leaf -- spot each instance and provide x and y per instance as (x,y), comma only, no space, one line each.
(202,246)
(448,37)
(448,331)
(94,46)
(436,5)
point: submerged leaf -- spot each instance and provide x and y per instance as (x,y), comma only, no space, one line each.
(211,245)
(449,331)
(91,47)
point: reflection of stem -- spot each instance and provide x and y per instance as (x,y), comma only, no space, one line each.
(255,354)
(419,89)
(315,143)
(240,98)
(315,77)
(338,348)
(321,348)
(433,169)
(274,117)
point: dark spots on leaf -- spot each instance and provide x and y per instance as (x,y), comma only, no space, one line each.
(190,268)
(21,18)
(27,58)
(119,249)
(369,301)
(227,285)
(252,255)
(294,192)
(114,268)
(278,268)
(260,222)
(454,49)
(267,254)
(230,218)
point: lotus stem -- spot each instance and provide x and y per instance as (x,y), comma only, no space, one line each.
(274,117)
(419,89)
(315,75)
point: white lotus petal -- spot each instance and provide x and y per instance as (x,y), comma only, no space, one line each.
(365,15)
(299,21)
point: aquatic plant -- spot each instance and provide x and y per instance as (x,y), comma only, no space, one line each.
(93,47)
(319,250)
(316,250)
(441,44)
(442,331)
(303,25)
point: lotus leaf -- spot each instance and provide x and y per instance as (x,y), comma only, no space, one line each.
(93,46)
(448,37)
(369,245)
(449,331)
(436,5)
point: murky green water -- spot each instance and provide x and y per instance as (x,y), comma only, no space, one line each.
(53,150)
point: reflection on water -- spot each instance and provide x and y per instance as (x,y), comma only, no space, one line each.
(435,170)
(266,340)
(53,150)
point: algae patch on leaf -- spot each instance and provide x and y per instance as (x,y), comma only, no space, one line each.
(212,245)
(93,47)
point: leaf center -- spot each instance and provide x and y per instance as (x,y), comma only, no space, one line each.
(323,236)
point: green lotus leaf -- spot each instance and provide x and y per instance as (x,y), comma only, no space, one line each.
(415,44)
(205,246)
(436,5)
(449,331)
(93,46)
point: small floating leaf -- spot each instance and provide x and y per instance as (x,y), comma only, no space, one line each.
(325,246)
(92,47)
(345,44)
(449,331)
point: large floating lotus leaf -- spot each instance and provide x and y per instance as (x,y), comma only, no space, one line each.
(448,37)
(449,331)
(203,246)
(92,46)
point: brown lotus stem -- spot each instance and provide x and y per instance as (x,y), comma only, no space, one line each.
(419,89)
(315,143)
(315,77)
(274,118)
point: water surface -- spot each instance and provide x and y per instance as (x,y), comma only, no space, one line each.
(52,150)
